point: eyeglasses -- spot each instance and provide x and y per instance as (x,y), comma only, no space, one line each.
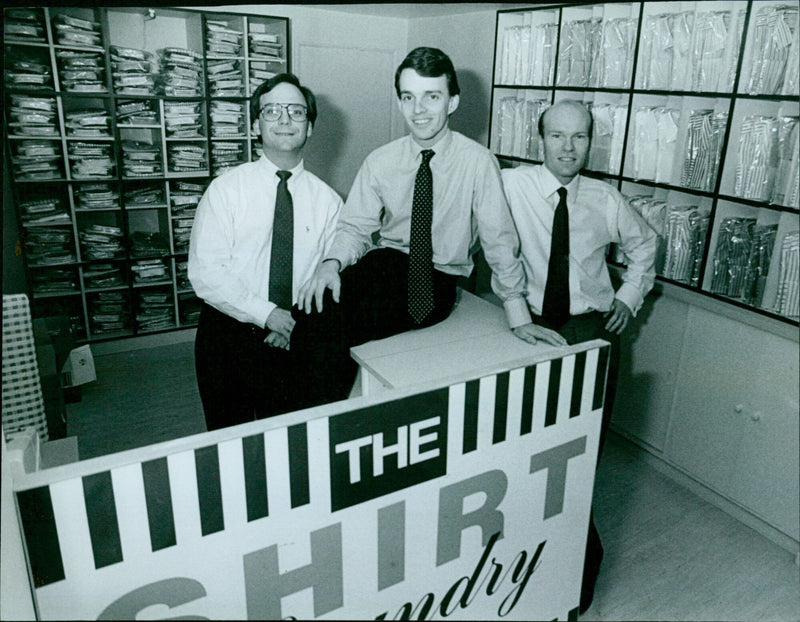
(273,112)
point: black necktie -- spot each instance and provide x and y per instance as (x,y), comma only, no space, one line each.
(555,308)
(420,260)
(280,263)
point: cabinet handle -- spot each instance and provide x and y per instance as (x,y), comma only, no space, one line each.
(756,416)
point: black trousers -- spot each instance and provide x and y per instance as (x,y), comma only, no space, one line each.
(577,329)
(372,305)
(240,378)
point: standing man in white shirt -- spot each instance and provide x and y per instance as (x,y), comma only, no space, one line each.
(566,222)
(259,233)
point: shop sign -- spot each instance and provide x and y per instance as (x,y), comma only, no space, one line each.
(469,501)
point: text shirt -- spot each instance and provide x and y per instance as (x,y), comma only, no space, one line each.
(598,216)
(229,252)
(468,206)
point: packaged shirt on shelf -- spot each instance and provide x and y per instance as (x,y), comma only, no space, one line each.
(686,229)
(787,302)
(774,51)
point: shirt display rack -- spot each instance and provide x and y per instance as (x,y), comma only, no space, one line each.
(695,108)
(116,121)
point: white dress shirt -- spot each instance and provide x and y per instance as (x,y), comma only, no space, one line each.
(598,216)
(468,206)
(229,252)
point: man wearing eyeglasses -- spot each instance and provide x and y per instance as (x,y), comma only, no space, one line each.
(259,233)
(407,278)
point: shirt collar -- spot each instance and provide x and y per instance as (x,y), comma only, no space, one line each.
(440,147)
(550,184)
(270,169)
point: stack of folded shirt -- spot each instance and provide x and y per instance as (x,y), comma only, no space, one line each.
(88,122)
(150,271)
(181,232)
(186,157)
(33,116)
(144,196)
(50,211)
(37,159)
(265,46)
(181,73)
(140,159)
(101,242)
(226,78)
(184,197)
(103,276)
(23,25)
(137,112)
(227,119)
(46,246)
(77,32)
(96,197)
(145,244)
(182,119)
(132,71)
(224,156)
(221,39)
(260,71)
(108,312)
(90,160)
(81,72)
(54,281)
(28,74)
(156,311)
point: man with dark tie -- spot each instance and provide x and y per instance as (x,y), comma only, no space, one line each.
(260,231)
(417,210)
(566,222)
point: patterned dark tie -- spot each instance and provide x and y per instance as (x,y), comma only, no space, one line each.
(280,263)
(555,308)
(420,260)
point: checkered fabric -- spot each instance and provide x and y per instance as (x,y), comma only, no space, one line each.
(23,404)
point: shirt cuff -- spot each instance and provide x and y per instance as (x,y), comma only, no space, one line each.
(631,296)
(517,312)
(343,259)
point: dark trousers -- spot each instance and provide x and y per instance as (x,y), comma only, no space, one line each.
(240,378)
(577,329)
(372,305)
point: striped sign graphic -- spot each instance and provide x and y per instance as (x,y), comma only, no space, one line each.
(78,526)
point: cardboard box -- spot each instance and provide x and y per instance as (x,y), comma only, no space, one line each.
(79,367)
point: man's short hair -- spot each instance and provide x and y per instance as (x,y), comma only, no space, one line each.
(271,83)
(429,63)
(571,101)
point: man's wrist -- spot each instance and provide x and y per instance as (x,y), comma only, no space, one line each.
(338,263)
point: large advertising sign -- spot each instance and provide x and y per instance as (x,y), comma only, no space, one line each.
(468,501)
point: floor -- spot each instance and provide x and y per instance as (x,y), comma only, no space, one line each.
(669,555)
